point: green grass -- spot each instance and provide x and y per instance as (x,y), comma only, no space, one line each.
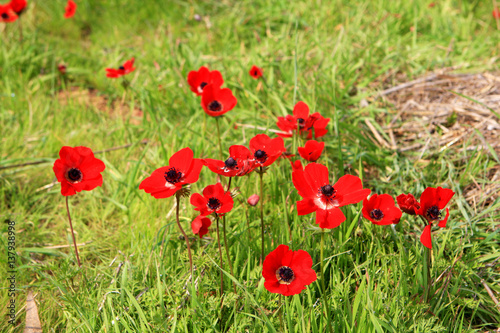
(330,54)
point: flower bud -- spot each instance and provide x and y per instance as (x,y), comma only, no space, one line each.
(253,200)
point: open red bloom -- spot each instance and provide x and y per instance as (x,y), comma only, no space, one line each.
(266,150)
(70,9)
(303,122)
(255,72)
(323,198)
(18,6)
(237,164)
(432,201)
(182,169)
(200,225)
(127,67)
(7,14)
(408,203)
(381,210)
(312,150)
(78,170)
(287,272)
(216,101)
(199,79)
(214,200)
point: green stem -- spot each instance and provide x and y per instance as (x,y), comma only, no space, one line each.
(325,298)
(227,250)
(177,198)
(218,136)
(427,277)
(281,314)
(73,234)
(220,256)
(261,175)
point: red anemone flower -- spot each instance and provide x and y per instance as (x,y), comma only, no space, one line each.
(432,201)
(496,13)
(70,9)
(287,272)
(303,122)
(127,67)
(255,72)
(214,200)
(266,150)
(197,80)
(61,68)
(7,14)
(182,169)
(312,150)
(381,210)
(200,225)
(18,6)
(237,164)
(323,198)
(408,203)
(78,170)
(216,101)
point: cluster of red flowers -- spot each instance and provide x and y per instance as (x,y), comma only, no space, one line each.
(302,122)
(11,11)
(215,100)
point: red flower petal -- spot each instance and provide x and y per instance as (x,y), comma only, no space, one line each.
(329,219)
(301,110)
(200,225)
(70,9)
(425,238)
(442,223)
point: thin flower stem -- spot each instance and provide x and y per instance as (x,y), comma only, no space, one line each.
(325,299)
(427,272)
(261,175)
(220,256)
(281,314)
(218,136)
(177,198)
(73,234)
(227,250)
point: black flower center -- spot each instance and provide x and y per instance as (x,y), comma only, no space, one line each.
(215,106)
(121,68)
(5,16)
(377,214)
(255,72)
(285,275)
(231,163)
(173,176)
(213,203)
(74,175)
(301,122)
(260,156)
(202,85)
(327,190)
(433,213)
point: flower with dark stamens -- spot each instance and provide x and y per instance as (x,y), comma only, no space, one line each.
(312,150)
(216,101)
(302,122)
(127,67)
(381,210)
(287,272)
(266,150)
(7,14)
(432,201)
(78,170)
(183,169)
(70,9)
(237,164)
(255,72)
(214,200)
(323,198)
(199,79)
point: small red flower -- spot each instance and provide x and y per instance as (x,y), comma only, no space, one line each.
(78,170)
(216,101)
(197,80)
(297,165)
(61,68)
(496,13)
(312,150)
(381,210)
(18,6)
(253,200)
(266,150)
(214,200)
(303,122)
(255,72)
(70,9)
(182,169)
(287,272)
(323,198)
(127,67)
(200,225)
(7,14)
(237,164)
(408,203)
(432,201)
